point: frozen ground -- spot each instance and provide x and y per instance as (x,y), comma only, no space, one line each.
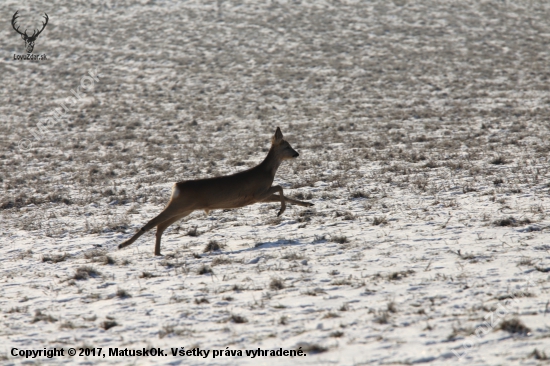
(423,132)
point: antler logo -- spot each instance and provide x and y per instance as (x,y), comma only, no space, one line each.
(29,40)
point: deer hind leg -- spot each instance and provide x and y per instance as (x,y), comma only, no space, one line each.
(163,216)
(163,226)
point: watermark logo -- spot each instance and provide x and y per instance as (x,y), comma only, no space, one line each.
(29,40)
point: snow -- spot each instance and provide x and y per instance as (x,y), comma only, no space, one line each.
(423,133)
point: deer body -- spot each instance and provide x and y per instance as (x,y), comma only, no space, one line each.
(232,191)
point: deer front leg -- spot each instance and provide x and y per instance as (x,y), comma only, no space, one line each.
(267,194)
(276,198)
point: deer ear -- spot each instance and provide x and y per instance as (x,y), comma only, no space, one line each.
(278,135)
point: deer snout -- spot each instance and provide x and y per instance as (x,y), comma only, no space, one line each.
(295,155)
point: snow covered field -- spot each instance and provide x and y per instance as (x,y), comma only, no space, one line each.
(423,132)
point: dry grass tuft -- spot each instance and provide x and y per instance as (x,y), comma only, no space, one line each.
(381,220)
(340,239)
(514,326)
(499,160)
(511,221)
(276,284)
(39,316)
(204,269)
(85,272)
(400,275)
(123,294)
(238,319)
(311,348)
(212,246)
(108,324)
(539,355)
(56,258)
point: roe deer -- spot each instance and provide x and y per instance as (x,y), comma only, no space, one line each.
(231,191)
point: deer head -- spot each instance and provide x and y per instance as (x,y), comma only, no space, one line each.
(29,40)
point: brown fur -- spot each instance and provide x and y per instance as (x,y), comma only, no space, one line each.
(231,191)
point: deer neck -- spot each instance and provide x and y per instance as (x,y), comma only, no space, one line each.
(271,162)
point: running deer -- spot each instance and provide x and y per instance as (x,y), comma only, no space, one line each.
(231,191)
